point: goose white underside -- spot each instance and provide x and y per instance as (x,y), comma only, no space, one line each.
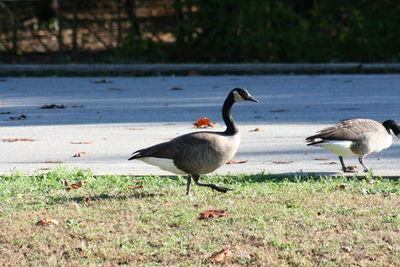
(340,148)
(164,164)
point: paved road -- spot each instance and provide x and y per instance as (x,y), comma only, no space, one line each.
(119,115)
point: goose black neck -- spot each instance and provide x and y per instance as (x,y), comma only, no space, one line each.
(392,125)
(231,128)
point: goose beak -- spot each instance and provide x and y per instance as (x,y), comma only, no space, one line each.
(250,98)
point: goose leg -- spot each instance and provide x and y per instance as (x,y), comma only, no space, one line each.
(360,159)
(189,181)
(344,168)
(196,178)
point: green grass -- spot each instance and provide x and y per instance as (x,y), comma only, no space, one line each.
(272,220)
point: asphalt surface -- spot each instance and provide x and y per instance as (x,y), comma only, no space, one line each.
(117,116)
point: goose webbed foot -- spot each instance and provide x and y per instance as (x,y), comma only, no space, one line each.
(360,159)
(344,167)
(212,186)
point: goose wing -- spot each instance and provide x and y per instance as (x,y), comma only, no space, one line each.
(350,130)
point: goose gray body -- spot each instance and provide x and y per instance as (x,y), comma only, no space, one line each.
(355,138)
(199,153)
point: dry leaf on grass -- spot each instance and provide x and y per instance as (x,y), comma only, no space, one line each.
(102,81)
(77,185)
(135,129)
(79,154)
(282,162)
(52,106)
(328,163)
(342,187)
(236,161)
(20,117)
(136,187)
(221,255)
(279,110)
(47,222)
(18,140)
(208,214)
(255,130)
(204,122)
(81,143)
(176,89)
(320,159)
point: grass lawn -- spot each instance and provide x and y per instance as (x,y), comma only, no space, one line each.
(148,221)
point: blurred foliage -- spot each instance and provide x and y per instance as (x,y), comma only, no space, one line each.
(228,30)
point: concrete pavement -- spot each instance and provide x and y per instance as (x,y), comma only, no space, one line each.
(110,117)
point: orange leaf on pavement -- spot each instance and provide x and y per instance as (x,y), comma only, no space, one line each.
(202,123)
(236,161)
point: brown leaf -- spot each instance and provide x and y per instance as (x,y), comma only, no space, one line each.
(221,255)
(77,185)
(207,214)
(236,161)
(52,106)
(255,130)
(18,140)
(102,81)
(328,163)
(205,122)
(135,129)
(342,187)
(282,162)
(79,154)
(320,159)
(81,143)
(20,117)
(135,187)
(279,110)
(176,89)
(47,221)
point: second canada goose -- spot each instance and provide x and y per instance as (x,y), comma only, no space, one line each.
(355,138)
(199,153)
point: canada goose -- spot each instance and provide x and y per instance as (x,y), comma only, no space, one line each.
(199,153)
(355,138)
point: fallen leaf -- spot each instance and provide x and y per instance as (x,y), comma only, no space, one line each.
(236,161)
(52,106)
(47,221)
(79,154)
(221,255)
(81,143)
(279,110)
(282,162)
(255,130)
(102,81)
(176,89)
(328,163)
(320,159)
(207,214)
(116,89)
(204,122)
(18,140)
(342,187)
(20,117)
(77,185)
(7,112)
(135,129)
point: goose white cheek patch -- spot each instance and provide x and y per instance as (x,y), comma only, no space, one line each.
(237,97)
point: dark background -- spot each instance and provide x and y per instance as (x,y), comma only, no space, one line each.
(136,31)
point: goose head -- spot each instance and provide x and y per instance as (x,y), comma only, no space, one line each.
(241,94)
(392,125)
